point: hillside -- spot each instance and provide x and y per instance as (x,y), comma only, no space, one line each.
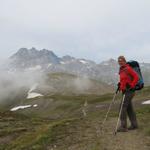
(68,83)
(17,91)
(73,122)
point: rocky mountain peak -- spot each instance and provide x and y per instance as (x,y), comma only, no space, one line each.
(32,57)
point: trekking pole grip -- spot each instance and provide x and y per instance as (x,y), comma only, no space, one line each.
(117,90)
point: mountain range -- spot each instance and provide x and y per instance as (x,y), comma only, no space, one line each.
(49,102)
(45,60)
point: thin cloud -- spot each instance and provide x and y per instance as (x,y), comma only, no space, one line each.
(93,29)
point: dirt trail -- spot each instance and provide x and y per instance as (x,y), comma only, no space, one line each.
(86,137)
(131,140)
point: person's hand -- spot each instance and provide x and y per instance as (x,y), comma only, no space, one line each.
(118,88)
(118,85)
(123,91)
(130,87)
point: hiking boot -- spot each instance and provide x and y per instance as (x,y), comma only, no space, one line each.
(122,129)
(133,128)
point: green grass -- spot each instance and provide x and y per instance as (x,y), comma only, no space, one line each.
(143,113)
(39,136)
(59,122)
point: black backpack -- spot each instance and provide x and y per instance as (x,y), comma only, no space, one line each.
(136,67)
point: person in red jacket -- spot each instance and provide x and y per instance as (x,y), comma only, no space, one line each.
(128,80)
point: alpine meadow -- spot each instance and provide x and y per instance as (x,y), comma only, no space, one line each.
(74,75)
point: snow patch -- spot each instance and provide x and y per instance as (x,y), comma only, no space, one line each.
(83,61)
(20,107)
(35,105)
(49,65)
(146,102)
(32,94)
(62,62)
(38,67)
(23,107)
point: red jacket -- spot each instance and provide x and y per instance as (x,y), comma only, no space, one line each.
(127,77)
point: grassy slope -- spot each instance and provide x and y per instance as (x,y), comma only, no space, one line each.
(59,124)
(56,84)
(72,84)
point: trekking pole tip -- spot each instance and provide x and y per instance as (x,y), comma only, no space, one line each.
(115,133)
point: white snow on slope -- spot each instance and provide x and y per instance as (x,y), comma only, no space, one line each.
(20,107)
(49,65)
(38,67)
(23,107)
(32,94)
(35,105)
(62,62)
(146,102)
(83,61)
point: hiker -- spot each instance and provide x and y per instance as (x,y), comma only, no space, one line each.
(128,80)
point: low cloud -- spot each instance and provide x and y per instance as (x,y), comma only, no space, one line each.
(17,83)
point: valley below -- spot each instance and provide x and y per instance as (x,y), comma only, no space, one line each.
(72,122)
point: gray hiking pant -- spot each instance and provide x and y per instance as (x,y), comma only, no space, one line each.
(128,110)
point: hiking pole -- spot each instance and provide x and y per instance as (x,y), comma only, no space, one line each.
(115,133)
(109,108)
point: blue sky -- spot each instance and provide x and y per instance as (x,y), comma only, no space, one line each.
(92,29)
